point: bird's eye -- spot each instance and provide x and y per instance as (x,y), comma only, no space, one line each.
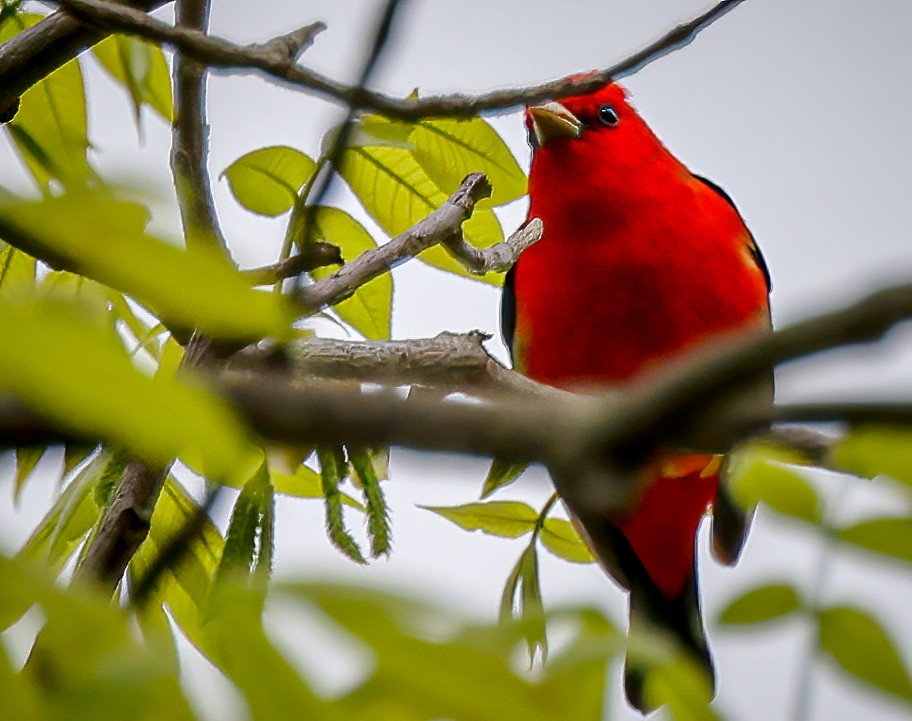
(608,116)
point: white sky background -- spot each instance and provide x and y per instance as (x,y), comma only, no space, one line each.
(799,109)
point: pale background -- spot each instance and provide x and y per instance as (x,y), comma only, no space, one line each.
(799,109)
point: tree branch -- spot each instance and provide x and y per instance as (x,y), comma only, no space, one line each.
(439,226)
(32,55)
(498,258)
(271,59)
(315,255)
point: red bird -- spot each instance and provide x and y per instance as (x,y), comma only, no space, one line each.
(640,261)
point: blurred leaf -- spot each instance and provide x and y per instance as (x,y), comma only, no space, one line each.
(27,458)
(507,519)
(109,244)
(69,519)
(870,451)
(502,473)
(889,536)
(196,568)
(50,129)
(522,599)
(332,474)
(427,664)
(266,181)
(450,148)
(369,309)
(378,522)
(563,540)
(758,605)
(397,192)
(859,645)
(79,376)
(682,688)
(16,270)
(101,671)
(753,479)
(141,69)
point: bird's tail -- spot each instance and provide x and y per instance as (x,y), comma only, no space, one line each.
(679,619)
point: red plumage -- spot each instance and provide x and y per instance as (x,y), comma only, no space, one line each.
(640,261)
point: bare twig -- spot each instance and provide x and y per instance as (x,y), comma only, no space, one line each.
(498,258)
(315,255)
(268,59)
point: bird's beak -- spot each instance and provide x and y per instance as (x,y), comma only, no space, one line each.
(553,120)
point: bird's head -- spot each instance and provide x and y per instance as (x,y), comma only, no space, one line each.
(601,111)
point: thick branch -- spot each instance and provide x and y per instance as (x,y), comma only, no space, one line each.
(272,60)
(35,53)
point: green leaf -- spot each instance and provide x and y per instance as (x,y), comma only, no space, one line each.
(521,599)
(450,148)
(306,483)
(397,193)
(562,539)
(369,310)
(502,473)
(762,604)
(683,688)
(861,647)
(248,542)
(101,669)
(424,659)
(266,181)
(109,244)
(888,536)
(27,458)
(50,130)
(141,69)
(870,451)
(507,519)
(378,522)
(332,474)
(753,479)
(79,376)
(196,568)
(17,270)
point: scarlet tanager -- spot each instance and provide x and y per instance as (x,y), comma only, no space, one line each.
(640,261)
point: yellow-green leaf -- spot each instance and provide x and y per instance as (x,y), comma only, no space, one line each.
(507,519)
(888,536)
(266,181)
(306,483)
(104,239)
(753,479)
(78,375)
(397,192)
(502,473)
(859,645)
(141,69)
(50,130)
(563,540)
(369,310)
(16,270)
(758,605)
(870,451)
(450,148)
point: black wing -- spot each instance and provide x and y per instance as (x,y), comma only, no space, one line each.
(752,246)
(508,311)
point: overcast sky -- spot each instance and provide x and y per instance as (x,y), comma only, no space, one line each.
(799,109)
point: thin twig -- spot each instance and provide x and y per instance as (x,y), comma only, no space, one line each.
(315,255)
(324,174)
(498,258)
(266,58)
